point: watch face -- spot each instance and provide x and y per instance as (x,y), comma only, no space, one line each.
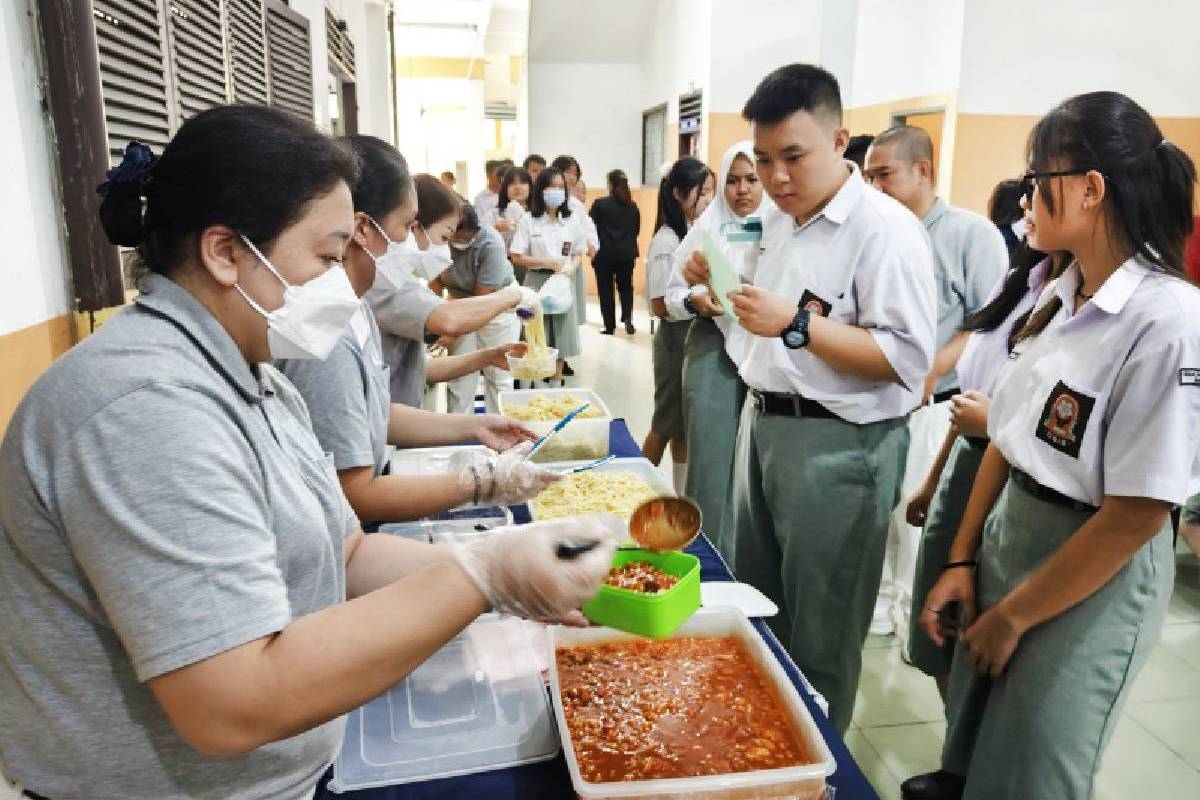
(794,339)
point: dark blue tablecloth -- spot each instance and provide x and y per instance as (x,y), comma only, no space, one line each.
(550,780)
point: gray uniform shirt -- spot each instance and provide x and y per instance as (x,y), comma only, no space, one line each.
(969,258)
(484,264)
(160,503)
(348,396)
(401,315)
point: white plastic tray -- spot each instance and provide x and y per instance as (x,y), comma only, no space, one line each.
(638,466)
(803,781)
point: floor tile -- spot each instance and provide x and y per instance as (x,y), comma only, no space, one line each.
(1174,723)
(872,766)
(1137,764)
(1185,600)
(908,750)
(1182,639)
(892,693)
(877,642)
(1165,676)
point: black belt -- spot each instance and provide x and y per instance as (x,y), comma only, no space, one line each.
(791,405)
(1026,482)
(33,795)
(979,442)
(942,397)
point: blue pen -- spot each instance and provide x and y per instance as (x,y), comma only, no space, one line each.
(558,426)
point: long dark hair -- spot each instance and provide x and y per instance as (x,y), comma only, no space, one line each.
(511,177)
(252,168)
(1016,283)
(1149,182)
(686,174)
(537,206)
(620,186)
(1004,206)
(383,180)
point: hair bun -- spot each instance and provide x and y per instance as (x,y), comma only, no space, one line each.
(121,208)
(121,215)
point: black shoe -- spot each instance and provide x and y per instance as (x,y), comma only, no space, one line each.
(608,331)
(630,329)
(940,785)
(567,370)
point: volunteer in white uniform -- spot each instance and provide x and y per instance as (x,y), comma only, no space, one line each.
(176,556)
(683,197)
(549,242)
(969,257)
(835,339)
(713,392)
(404,307)
(481,267)
(1094,439)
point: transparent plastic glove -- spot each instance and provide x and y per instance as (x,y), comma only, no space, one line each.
(503,479)
(543,570)
(530,303)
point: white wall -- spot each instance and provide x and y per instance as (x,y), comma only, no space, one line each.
(912,48)
(366,22)
(1025,56)
(590,111)
(33,276)
(677,56)
(315,11)
(441,122)
(750,38)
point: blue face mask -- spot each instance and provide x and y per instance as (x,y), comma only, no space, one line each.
(554,197)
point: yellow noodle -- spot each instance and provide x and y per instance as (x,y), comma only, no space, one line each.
(550,408)
(615,491)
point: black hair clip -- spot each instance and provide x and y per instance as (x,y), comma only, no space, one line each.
(132,171)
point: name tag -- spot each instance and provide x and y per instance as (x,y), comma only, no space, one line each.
(1189,376)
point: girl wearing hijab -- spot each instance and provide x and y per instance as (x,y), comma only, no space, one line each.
(712,390)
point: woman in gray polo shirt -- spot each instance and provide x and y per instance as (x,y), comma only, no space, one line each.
(176,555)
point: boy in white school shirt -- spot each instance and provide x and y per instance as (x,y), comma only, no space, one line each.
(837,336)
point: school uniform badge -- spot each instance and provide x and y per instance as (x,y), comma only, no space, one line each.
(1064,419)
(815,305)
(566,248)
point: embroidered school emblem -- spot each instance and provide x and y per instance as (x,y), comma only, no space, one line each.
(1064,419)
(815,305)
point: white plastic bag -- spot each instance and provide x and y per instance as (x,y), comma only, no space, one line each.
(558,294)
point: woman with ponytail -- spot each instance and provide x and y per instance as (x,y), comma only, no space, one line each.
(1057,582)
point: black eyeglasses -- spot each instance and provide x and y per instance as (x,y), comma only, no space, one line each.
(1027,180)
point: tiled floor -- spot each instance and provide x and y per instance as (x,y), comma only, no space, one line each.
(898,726)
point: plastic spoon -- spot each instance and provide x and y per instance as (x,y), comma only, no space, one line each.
(558,426)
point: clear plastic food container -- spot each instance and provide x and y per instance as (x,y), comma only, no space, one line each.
(583,439)
(640,467)
(476,705)
(529,368)
(805,782)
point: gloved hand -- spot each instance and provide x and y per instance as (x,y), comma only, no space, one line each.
(543,570)
(530,303)
(502,479)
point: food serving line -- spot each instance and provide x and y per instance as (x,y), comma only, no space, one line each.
(478,720)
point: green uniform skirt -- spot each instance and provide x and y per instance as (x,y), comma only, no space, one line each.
(945,513)
(712,402)
(1037,732)
(668,378)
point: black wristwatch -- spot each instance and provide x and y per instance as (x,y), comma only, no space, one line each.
(795,335)
(689,305)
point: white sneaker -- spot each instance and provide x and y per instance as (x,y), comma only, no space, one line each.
(881,623)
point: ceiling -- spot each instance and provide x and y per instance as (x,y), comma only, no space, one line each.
(591,31)
(461,28)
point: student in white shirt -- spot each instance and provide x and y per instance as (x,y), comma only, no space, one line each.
(713,392)
(682,198)
(576,193)
(835,338)
(969,257)
(1060,575)
(548,241)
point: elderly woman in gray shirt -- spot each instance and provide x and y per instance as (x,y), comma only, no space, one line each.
(187,603)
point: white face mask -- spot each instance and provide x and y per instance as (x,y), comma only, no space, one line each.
(313,315)
(395,267)
(554,197)
(1019,228)
(434,261)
